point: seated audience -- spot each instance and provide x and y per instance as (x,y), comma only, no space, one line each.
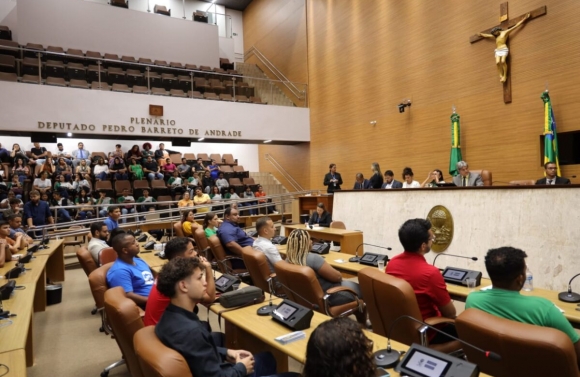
(117,153)
(222,183)
(61,153)
(151,168)
(200,166)
(16,208)
(63,169)
(260,194)
(83,168)
(193,182)
(102,202)
(266,230)
(147,152)
(201,199)
(232,194)
(20,169)
(157,303)
(214,170)
(408,181)
(80,154)
(185,201)
(17,153)
(361,183)
(65,187)
(85,204)
(183,168)
(11,246)
(430,289)
(134,153)
(376,180)
(63,214)
(339,347)
(551,178)
(101,170)
(99,236)
(136,169)
(175,183)
(298,253)
(433,178)
(48,167)
(180,329)
(506,267)
(161,154)
(465,178)
(4,154)
(83,182)
(207,181)
(112,222)
(43,183)
(390,181)
(211,222)
(169,168)
(320,217)
(39,154)
(248,194)
(131,273)
(15,222)
(119,169)
(188,223)
(15,187)
(36,211)
(215,194)
(146,201)
(126,199)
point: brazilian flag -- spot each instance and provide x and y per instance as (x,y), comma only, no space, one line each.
(550,135)
(455,145)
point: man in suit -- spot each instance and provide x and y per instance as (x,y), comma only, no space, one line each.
(361,183)
(332,179)
(80,154)
(465,178)
(551,177)
(390,181)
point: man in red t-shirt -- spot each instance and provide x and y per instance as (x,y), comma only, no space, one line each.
(157,303)
(430,289)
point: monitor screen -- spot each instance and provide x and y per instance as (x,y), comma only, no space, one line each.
(286,311)
(426,365)
(222,282)
(369,257)
(455,274)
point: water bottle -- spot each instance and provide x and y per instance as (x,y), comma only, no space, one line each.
(529,284)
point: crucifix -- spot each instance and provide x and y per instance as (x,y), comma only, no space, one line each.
(500,33)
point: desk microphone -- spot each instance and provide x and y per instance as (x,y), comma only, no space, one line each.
(453,255)
(569,296)
(388,357)
(267,309)
(356,258)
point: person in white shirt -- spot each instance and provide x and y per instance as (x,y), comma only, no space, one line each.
(60,152)
(99,233)
(101,170)
(408,181)
(266,230)
(222,183)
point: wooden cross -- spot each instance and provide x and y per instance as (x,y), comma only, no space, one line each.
(506,23)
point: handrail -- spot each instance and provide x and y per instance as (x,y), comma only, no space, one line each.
(299,94)
(283,171)
(148,67)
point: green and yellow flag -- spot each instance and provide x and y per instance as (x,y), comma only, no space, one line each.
(550,134)
(455,145)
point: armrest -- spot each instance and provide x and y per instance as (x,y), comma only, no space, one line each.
(334,290)
(434,321)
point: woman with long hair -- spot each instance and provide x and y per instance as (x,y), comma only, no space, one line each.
(376,180)
(43,183)
(210,224)
(185,201)
(188,223)
(63,169)
(20,169)
(119,169)
(85,204)
(136,169)
(298,253)
(408,181)
(434,177)
(18,153)
(339,347)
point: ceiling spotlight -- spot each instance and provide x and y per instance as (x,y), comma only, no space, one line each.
(373,122)
(201,139)
(267,141)
(69,134)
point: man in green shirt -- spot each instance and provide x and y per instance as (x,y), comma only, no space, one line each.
(145,201)
(127,199)
(507,270)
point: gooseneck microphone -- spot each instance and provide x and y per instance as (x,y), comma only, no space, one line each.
(453,255)
(569,296)
(356,258)
(267,309)
(388,357)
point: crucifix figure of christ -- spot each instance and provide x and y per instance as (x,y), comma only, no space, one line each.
(500,33)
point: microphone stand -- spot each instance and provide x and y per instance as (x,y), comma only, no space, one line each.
(356,258)
(453,255)
(267,309)
(388,357)
(569,296)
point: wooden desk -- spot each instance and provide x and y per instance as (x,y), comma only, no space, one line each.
(16,361)
(349,239)
(151,259)
(55,263)
(18,335)
(36,276)
(309,203)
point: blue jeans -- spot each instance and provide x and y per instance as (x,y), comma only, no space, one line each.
(102,176)
(103,213)
(265,365)
(84,214)
(121,176)
(152,176)
(63,214)
(125,211)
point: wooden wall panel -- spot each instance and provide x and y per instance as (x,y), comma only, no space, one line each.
(364,57)
(295,159)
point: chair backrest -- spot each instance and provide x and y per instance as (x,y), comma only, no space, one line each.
(523,182)
(302,280)
(98,284)
(388,298)
(485,176)
(218,251)
(86,260)
(200,238)
(140,184)
(217,157)
(228,158)
(125,320)
(249,181)
(178,230)
(155,359)
(257,265)
(517,344)
(337,225)
(108,255)
(235,182)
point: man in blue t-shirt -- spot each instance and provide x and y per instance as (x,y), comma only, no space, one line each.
(231,235)
(131,273)
(506,267)
(112,222)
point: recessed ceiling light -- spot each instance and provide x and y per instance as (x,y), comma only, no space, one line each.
(267,141)
(201,139)
(69,134)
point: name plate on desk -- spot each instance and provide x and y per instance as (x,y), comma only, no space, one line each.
(454,275)
(372,259)
(292,315)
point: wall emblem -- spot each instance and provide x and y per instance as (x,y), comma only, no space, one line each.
(442,226)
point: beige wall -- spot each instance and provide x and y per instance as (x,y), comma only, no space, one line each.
(364,57)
